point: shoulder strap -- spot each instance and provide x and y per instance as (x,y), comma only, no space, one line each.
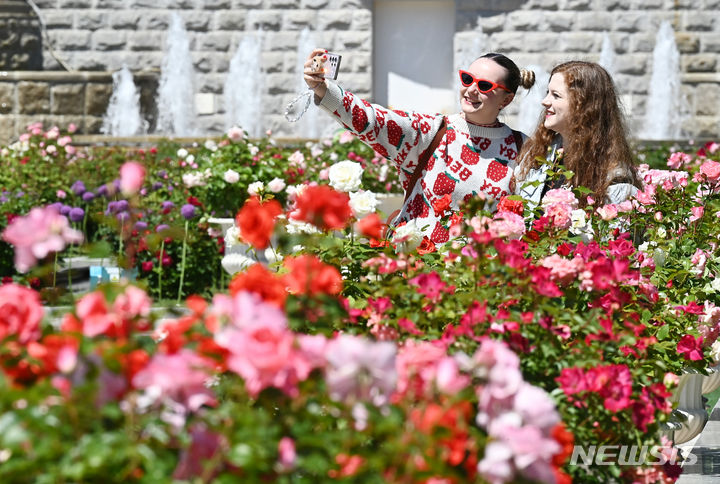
(424,158)
(518,139)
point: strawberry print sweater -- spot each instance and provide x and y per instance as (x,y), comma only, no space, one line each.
(469,160)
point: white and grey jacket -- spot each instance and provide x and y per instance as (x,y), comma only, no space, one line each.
(531,186)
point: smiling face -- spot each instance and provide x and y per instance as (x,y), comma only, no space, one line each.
(483,108)
(557,105)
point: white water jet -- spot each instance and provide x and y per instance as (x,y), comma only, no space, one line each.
(122,117)
(530,109)
(176,92)
(663,117)
(307,125)
(607,55)
(244,87)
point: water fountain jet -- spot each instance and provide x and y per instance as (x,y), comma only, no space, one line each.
(244,86)
(663,118)
(122,117)
(176,92)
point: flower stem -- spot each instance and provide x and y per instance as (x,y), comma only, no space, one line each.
(160,269)
(182,263)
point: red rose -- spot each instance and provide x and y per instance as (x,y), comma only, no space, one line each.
(261,281)
(309,275)
(323,207)
(256,221)
(371,226)
(507,205)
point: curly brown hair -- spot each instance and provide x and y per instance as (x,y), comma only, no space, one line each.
(596,148)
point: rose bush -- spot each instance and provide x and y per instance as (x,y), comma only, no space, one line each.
(356,352)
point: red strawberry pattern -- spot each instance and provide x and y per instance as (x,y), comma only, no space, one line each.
(496,170)
(469,156)
(443,185)
(380,149)
(394,134)
(469,159)
(359,119)
(450,135)
(439,234)
(417,207)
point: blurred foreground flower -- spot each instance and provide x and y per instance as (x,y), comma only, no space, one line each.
(40,232)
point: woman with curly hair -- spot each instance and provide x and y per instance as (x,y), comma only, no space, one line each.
(583,131)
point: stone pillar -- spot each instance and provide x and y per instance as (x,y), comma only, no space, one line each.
(20,37)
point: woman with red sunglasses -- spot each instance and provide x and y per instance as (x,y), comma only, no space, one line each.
(582,131)
(442,160)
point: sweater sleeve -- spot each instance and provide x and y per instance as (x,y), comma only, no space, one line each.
(399,136)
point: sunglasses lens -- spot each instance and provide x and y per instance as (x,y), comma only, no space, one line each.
(485,86)
(466,79)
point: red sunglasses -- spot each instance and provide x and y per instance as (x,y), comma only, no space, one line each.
(484,86)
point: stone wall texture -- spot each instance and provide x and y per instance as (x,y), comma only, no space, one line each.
(104,35)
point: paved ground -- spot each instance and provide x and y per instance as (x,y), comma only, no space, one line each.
(707,450)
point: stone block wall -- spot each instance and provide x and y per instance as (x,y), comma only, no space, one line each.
(61,98)
(102,35)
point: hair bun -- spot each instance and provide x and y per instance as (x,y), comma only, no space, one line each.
(527,78)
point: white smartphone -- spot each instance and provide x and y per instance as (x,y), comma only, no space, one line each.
(331,66)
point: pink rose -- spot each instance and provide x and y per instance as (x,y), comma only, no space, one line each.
(37,234)
(92,311)
(20,313)
(132,176)
(711,169)
(180,377)
(286,453)
(560,214)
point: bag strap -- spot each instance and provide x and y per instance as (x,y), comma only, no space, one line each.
(518,139)
(424,158)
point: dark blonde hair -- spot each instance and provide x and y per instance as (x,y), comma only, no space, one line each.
(516,77)
(596,145)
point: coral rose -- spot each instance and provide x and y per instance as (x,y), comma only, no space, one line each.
(256,221)
(261,281)
(308,275)
(323,207)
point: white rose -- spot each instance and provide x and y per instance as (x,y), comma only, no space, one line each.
(272,256)
(211,145)
(182,153)
(659,257)
(232,237)
(295,227)
(715,351)
(578,218)
(715,284)
(233,263)
(276,185)
(661,232)
(253,149)
(193,179)
(363,202)
(231,176)
(408,235)
(345,176)
(255,187)
(190,158)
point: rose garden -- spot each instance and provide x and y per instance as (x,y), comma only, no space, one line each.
(310,343)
